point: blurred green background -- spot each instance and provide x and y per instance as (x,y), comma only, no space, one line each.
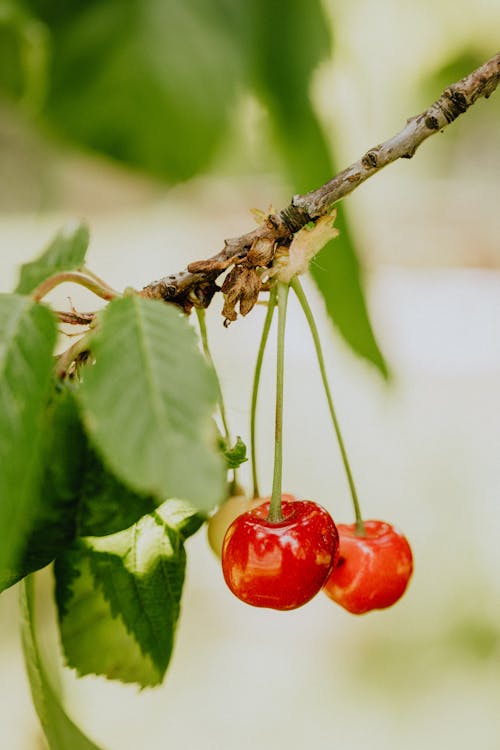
(162,124)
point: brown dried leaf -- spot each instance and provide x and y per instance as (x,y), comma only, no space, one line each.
(241,285)
(251,295)
(228,311)
(231,280)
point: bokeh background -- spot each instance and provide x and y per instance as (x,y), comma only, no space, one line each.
(162,182)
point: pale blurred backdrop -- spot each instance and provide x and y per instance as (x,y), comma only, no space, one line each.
(425,448)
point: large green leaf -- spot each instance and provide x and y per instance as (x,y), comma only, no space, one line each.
(27,338)
(336,271)
(61,733)
(282,73)
(148,82)
(66,252)
(11,66)
(77,495)
(119,597)
(283,61)
(106,505)
(147,403)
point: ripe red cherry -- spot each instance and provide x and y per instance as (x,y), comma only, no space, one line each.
(280,565)
(372,571)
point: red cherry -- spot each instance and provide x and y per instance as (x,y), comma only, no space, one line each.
(280,565)
(372,571)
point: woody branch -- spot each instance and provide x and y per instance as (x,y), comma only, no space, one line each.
(255,250)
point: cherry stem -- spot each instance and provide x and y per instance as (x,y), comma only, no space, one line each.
(202,323)
(255,387)
(275,515)
(75,277)
(297,288)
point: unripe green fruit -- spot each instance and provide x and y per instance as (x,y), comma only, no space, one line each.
(219,523)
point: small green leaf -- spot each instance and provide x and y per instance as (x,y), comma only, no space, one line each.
(119,597)
(60,731)
(66,252)
(27,338)
(147,402)
(236,455)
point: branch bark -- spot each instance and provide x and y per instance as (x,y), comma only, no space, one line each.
(256,250)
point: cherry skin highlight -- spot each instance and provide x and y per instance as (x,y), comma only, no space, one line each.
(372,571)
(280,565)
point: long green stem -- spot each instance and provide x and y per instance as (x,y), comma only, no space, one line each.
(200,313)
(275,515)
(255,387)
(297,288)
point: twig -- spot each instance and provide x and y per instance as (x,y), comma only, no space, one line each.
(75,318)
(256,249)
(454,101)
(75,277)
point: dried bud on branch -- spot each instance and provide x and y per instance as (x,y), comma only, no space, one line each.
(242,285)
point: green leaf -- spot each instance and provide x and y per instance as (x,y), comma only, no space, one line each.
(336,268)
(27,338)
(149,83)
(77,496)
(11,68)
(23,55)
(282,65)
(337,273)
(60,731)
(282,77)
(105,504)
(54,522)
(236,455)
(119,597)
(147,402)
(66,252)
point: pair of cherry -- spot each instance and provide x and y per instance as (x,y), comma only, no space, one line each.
(282,552)
(283,565)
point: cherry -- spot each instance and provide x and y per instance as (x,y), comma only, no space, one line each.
(280,565)
(372,571)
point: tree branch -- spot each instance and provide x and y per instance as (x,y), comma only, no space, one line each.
(255,251)
(454,101)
